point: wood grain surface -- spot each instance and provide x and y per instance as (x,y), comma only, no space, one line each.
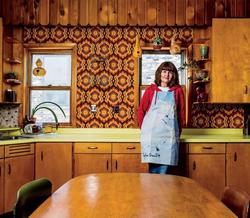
(132,195)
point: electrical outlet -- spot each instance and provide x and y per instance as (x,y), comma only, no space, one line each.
(93,108)
(116,109)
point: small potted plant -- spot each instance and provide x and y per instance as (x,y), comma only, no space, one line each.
(195,66)
(44,106)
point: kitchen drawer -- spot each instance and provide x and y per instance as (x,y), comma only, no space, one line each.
(92,148)
(206,148)
(1,152)
(126,148)
(19,150)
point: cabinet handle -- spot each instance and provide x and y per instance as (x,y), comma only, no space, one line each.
(92,147)
(116,164)
(194,165)
(41,155)
(246,90)
(131,148)
(107,165)
(207,147)
(9,169)
(235,156)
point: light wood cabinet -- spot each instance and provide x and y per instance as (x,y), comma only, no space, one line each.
(19,169)
(238,168)
(107,157)
(92,158)
(206,165)
(230,61)
(126,157)
(1,185)
(54,161)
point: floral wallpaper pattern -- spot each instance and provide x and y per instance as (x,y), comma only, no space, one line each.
(105,74)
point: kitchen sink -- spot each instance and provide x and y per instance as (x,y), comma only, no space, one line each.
(9,137)
(16,137)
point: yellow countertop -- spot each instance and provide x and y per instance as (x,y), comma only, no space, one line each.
(130,135)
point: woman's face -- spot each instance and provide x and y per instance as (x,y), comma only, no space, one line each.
(166,77)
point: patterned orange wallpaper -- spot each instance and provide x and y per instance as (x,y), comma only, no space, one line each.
(217,116)
(105,73)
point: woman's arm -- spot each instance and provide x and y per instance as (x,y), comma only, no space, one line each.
(143,107)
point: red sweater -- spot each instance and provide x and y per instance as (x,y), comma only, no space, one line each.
(148,97)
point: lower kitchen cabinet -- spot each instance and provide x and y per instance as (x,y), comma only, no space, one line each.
(19,169)
(126,157)
(238,167)
(92,158)
(1,185)
(206,165)
(107,157)
(54,161)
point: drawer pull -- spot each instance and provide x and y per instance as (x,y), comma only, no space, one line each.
(194,165)
(131,148)
(92,147)
(207,147)
(116,165)
(235,157)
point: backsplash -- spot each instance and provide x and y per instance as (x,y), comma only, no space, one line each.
(111,82)
(8,116)
(217,116)
(105,67)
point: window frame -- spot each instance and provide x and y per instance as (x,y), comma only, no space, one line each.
(64,48)
(162,50)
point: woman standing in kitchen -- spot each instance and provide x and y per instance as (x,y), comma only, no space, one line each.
(161,116)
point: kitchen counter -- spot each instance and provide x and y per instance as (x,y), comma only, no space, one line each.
(130,135)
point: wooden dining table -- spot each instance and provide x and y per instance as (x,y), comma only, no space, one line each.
(132,195)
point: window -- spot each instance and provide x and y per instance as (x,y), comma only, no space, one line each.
(150,61)
(55,86)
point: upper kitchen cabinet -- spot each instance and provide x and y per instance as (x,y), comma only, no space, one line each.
(230,77)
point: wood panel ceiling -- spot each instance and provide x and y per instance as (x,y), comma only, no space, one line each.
(121,12)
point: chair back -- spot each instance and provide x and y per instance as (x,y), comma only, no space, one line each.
(237,201)
(30,196)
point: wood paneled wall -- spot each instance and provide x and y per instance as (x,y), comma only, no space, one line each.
(121,12)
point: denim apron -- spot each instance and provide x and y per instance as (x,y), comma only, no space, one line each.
(160,131)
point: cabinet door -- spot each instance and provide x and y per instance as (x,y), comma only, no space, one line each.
(230,42)
(54,161)
(128,163)
(238,170)
(209,171)
(91,163)
(1,184)
(92,158)
(126,157)
(18,171)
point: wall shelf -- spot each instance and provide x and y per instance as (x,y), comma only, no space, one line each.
(12,81)
(201,82)
(10,39)
(9,103)
(13,60)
